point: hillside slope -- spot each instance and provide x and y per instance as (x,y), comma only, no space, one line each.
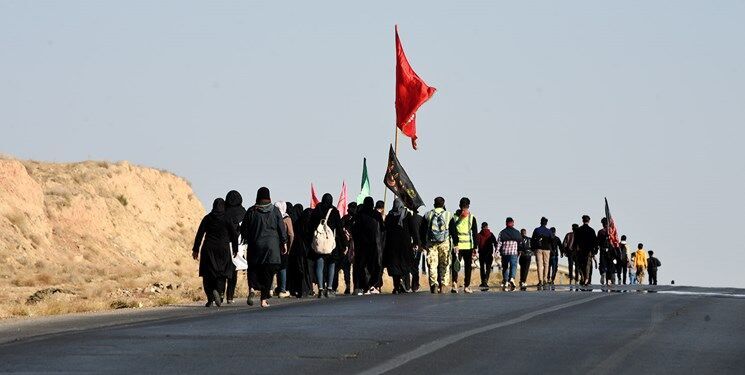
(98,234)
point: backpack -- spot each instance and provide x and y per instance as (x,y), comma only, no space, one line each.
(438,228)
(324,238)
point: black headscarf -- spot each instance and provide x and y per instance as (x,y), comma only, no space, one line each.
(368,206)
(399,210)
(218,207)
(234,209)
(327,201)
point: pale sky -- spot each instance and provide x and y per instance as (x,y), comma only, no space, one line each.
(543,107)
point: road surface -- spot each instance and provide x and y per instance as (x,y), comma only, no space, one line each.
(626,330)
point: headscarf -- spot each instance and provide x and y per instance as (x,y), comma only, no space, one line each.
(218,207)
(327,201)
(368,206)
(234,209)
(400,210)
(282,208)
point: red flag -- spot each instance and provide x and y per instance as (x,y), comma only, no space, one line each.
(612,230)
(342,205)
(313,198)
(411,93)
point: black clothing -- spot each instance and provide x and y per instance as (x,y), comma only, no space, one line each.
(213,283)
(264,231)
(368,245)
(415,224)
(467,257)
(398,251)
(486,261)
(218,234)
(652,265)
(524,261)
(299,280)
(585,240)
(525,246)
(260,278)
(334,222)
(234,212)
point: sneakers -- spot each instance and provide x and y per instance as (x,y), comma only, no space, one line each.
(216,296)
(467,290)
(512,283)
(374,290)
(454,289)
(284,294)
(230,302)
(523,285)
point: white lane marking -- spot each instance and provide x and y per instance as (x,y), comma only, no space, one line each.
(431,347)
(704,294)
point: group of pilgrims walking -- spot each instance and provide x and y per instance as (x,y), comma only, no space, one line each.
(291,251)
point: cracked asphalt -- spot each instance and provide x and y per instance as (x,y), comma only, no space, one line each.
(622,330)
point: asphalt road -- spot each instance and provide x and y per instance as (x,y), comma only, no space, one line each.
(652,330)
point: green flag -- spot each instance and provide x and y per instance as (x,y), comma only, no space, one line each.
(365,185)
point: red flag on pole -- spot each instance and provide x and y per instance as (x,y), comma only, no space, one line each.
(411,93)
(342,205)
(612,230)
(313,198)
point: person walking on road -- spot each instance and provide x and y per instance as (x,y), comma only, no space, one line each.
(542,241)
(367,234)
(652,265)
(325,212)
(281,290)
(553,262)
(623,265)
(585,240)
(438,228)
(215,263)
(464,243)
(487,244)
(265,233)
(234,212)
(525,251)
(417,245)
(508,242)
(571,253)
(398,251)
(641,263)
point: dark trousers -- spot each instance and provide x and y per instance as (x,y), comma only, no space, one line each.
(553,267)
(230,293)
(524,261)
(359,271)
(415,270)
(466,256)
(400,283)
(652,276)
(584,263)
(210,284)
(375,271)
(574,268)
(260,278)
(621,269)
(345,266)
(624,271)
(486,260)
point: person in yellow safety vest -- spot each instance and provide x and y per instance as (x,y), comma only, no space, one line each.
(465,243)
(640,261)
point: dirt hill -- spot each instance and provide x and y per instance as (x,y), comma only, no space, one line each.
(98,234)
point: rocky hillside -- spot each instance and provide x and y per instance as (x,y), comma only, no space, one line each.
(94,235)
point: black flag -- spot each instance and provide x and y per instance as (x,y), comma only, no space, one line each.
(398,181)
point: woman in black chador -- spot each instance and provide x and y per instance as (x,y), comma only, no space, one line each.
(398,250)
(215,261)
(234,212)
